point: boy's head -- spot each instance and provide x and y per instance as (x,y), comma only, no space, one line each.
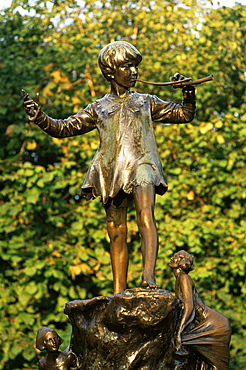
(115,53)
(47,338)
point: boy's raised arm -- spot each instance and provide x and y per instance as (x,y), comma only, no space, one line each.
(169,112)
(77,124)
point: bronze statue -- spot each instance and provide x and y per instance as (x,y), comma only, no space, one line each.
(201,330)
(127,164)
(48,339)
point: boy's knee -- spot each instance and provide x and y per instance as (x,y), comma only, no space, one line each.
(146,217)
(116,231)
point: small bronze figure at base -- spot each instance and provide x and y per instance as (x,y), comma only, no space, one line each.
(202,331)
(48,339)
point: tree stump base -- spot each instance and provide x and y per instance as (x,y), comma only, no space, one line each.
(135,330)
(131,330)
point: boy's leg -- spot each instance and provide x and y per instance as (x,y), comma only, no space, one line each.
(144,200)
(116,212)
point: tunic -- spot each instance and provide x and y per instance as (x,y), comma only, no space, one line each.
(127,155)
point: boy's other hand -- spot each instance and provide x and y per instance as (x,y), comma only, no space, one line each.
(31,107)
(177,77)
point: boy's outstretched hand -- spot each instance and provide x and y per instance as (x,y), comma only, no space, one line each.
(32,107)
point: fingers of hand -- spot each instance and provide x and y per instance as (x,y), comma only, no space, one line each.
(31,107)
(37,98)
(27,98)
(30,104)
(177,77)
(174,78)
(24,93)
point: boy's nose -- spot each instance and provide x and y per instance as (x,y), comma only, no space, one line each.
(134,70)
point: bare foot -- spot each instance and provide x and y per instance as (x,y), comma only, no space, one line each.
(150,285)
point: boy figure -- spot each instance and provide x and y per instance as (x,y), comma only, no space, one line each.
(127,164)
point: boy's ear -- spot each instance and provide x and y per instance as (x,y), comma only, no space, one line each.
(111,73)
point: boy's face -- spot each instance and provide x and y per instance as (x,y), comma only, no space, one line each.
(127,72)
(52,342)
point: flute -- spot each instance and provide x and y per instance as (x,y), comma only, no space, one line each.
(180,83)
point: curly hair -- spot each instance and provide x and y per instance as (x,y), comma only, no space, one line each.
(112,54)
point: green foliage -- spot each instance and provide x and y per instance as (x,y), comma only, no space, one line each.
(54,246)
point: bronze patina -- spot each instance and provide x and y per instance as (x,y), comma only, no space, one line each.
(136,328)
(201,330)
(48,339)
(126,165)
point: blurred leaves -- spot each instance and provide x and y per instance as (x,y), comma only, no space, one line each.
(54,246)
